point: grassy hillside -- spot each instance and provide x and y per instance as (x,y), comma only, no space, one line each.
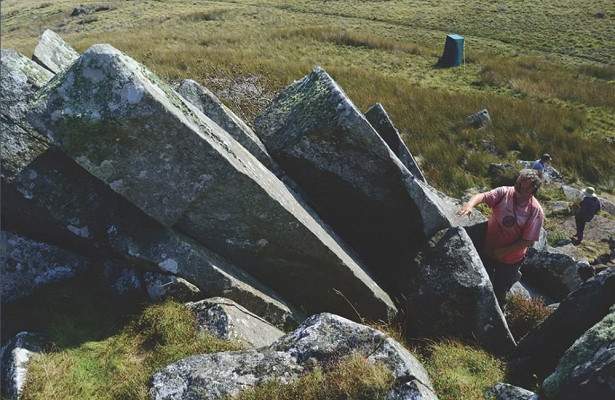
(544,69)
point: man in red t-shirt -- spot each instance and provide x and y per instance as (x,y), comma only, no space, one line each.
(514,225)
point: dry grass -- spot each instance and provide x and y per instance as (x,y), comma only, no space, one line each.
(353,378)
(523,314)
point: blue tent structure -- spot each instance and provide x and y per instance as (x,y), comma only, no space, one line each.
(453,51)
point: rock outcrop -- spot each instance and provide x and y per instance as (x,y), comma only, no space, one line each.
(382,123)
(53,53)
(321,339)
(587,369)
(14,358)
(350,175)
(228,320)
(28,264)
(578,312)
(504,391)
(555,274)
(450,294)
(133,132)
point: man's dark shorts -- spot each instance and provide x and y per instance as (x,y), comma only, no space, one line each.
(502,276)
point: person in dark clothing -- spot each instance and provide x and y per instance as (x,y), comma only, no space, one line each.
(590,205)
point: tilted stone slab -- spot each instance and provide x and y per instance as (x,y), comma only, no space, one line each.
(207,102)
(350,175)
(53,53)
(380,120)
(123,125)
(450,294)
(504,391)
(14,358)
(228,320)
(587,369)
(578,312)
(320,340)
(161,287)
(20,144)
(28,264)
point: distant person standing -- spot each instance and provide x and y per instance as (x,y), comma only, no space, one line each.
(588,208)
(514,225)
(539,165)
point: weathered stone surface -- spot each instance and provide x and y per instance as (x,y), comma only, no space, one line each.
(321,339)
(20,78)
(587,369)
(206,102)
(165,286)
(54,53)
(228,320)
(380,120)
(28,264)
(504,391)
(14,358)
(145,241)
(553,273)
(350,175)
(123,125)
(450,294)
(578,312)
(479,119)
(123,280)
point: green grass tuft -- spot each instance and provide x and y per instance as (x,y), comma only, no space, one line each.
(524,314)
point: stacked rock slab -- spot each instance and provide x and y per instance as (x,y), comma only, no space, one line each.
(587,369)
(124,126)
(229,321)
(14,358)
(54,53)
(578,312)
(504,391)
(320,340)
(26,265)
(351,177)
(380,120)
(450,294)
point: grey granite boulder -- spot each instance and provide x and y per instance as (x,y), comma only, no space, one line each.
(14,358)
(161,286)
(350,175)
(212,107)
(127,128)
(123,280)
(553,273)
(20,78)
(380,120)
(479,119)
(504,391)
(28,264)
(587,369)
(450,294)
(320,340)
(229,321)
(578,312)
(54,53)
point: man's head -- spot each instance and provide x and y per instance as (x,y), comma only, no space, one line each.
(546,158)
(527,184)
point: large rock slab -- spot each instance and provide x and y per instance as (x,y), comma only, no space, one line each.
(54,53)
(320,340)
(161,287)
(14,358)
(587,369)
(450,294)
(211,106)
(578,312)
(28,264)
(124,126)
(20,78)
(554,273)
(229,321)
(350,175)
(380,120)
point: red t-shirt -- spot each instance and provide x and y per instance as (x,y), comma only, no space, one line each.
(503,230)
